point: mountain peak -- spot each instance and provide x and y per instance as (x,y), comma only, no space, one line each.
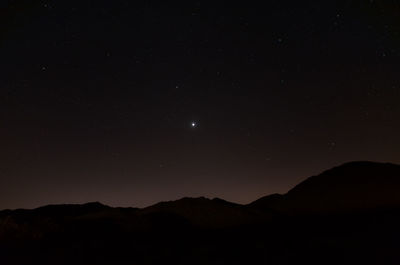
(355,185)
(358,185)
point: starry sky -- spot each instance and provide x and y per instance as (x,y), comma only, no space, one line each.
(134,102)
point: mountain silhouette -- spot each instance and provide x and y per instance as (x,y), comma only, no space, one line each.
(345,215)
(354,186)
(209,213)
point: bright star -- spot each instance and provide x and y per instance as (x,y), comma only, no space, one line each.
(193,124)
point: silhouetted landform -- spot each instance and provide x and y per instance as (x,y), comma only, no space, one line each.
(354,186)
(347,215)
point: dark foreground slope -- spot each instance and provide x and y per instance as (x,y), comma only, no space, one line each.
(355,186)
(347,215)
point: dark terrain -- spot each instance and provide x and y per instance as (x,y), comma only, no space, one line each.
(347,215)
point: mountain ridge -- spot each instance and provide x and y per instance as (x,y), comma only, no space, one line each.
(368,168)
(275,229)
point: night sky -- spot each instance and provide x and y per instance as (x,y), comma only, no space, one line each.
(134,102)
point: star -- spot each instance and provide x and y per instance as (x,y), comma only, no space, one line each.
(193,124)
